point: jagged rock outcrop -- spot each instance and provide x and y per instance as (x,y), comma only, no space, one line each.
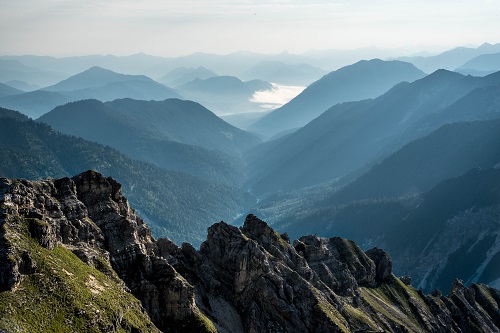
(89,215)
(247,279)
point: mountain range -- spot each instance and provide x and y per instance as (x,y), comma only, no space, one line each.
(12,69)
(182,75)
(481,65)
(362,80)
(377,151)
(348,137)
(173,134)
(6,90)
(448,177)
(46,70)
(96,82)
(224,94)
(451,59)
(173,203)
(282,73)
(66,267)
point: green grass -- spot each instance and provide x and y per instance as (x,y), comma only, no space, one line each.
(392,301)
(203,323)
(329,311)
(65,294)
(360,321)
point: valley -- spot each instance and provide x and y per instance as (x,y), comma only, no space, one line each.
(401,155)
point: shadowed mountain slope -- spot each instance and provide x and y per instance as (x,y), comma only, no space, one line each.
(102,123)
(6,90)
(175,204)
(34,103)
(170,120)
(450,231)
(97,83)
(417,167)
(350,137)
(364,79)
(248,279)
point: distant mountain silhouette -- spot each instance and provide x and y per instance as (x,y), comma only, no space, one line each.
(224,94)
(23,86)
(15,65)
(281,73)
(243,120)
(97,83)
(94,77)
(182,75)
(6,90)
(173,134)
(34,103)
(132,64)
(364,79)
(12,70)
(350,136)
(451,59)
(480,104)
(107,85)
(136,89)
(447,152)
(481,65)
(225,85)
(175,204)
(231,64)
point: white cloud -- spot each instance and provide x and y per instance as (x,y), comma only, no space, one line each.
(276,97)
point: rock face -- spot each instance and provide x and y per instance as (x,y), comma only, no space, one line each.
(89,216)
(248,279)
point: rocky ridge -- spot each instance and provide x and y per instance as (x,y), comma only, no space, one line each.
(247,279)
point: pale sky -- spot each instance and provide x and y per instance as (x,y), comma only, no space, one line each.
(179,27)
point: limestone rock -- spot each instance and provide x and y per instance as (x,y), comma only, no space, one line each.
(247,279)
(383,262)
(89,215)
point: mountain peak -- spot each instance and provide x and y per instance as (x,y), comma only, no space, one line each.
(98,69)
(82,233)
(443,74)
(362,80)
(93,77)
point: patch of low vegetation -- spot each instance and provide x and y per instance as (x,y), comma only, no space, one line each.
(65,295)
(392,300)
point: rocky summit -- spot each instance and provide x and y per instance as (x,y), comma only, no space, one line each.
(75,257)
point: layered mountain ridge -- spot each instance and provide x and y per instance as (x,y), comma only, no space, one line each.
(173,134)
(415,171)
(174,203)
(93,83)
(428,192)
(362,80)
(354,135)
(81,234)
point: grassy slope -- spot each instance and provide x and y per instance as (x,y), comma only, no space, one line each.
(65,294)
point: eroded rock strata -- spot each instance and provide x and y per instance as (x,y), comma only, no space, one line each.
(247,279)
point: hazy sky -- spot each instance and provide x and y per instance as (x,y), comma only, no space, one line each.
(168,27)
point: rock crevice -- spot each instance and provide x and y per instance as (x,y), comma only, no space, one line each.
(247,279)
